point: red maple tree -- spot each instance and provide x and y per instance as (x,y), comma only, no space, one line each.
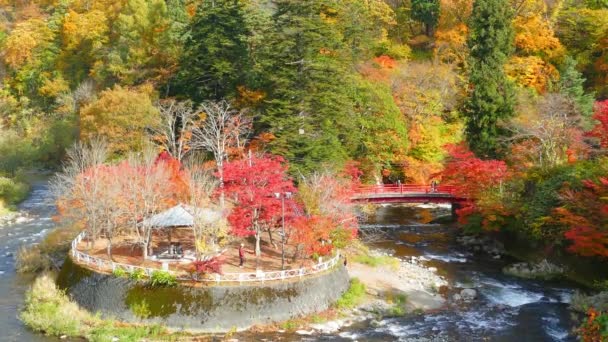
(585,213)
(251,185)
(479,182)
(600,130)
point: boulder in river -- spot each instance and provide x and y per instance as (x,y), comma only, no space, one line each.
(468,294)
(540,270)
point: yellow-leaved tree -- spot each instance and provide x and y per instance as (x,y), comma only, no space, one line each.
(122,116)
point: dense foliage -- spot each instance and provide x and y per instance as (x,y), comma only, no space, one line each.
(279,93)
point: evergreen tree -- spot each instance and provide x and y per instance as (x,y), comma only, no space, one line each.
(571,83)
(491,95)
(308,105)
(426,12)
(215,58)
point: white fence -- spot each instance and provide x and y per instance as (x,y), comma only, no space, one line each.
(258,276)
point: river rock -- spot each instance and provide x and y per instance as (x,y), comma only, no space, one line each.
(327,327)
(468,294)
(456,297)
(371,292)
(377,306)
(304,332)
(541,270)
(484,244)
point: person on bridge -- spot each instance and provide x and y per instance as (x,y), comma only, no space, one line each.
(434,186)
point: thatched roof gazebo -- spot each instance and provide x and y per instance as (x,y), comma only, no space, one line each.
(182,216)
(177,217)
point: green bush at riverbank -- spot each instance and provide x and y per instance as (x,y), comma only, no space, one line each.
(49,310)
(12,191)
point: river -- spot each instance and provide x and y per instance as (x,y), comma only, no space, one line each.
(507,309)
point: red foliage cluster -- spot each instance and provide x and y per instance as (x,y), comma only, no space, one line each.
(585,213)
(210,266)
(251,184)
(600,131)
(475,179)
(385,61)
(313,232)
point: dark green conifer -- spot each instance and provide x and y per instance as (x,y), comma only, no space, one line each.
(491,95)
(215,59)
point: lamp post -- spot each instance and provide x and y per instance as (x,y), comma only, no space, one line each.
(282,196)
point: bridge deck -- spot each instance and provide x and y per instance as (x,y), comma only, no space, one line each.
(407,194)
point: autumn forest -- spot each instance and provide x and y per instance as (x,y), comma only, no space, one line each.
(505,99)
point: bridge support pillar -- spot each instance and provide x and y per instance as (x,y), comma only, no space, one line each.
(455,206)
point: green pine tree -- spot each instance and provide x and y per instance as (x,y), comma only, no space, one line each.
(308,102)
(215,58)
(491,95)
(426,12)
(571,83)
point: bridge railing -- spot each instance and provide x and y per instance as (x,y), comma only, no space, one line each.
(405,188)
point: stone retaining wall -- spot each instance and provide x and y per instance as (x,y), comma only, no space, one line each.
(207,308)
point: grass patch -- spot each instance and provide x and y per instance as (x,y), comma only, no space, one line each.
(50,311)
(398,300)
(353,296)
(289,325)
(377,260)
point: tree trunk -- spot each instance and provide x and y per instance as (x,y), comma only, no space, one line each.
(297,252)
(109,248)
(274,245)
(258,250)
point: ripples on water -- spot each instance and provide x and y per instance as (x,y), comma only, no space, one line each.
(38,209)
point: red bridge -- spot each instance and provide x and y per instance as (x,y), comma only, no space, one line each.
(407,193)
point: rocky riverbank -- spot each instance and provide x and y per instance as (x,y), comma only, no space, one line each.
(406,287)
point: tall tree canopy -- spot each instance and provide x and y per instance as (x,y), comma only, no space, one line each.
(490,94)
(215,59)
(427,12)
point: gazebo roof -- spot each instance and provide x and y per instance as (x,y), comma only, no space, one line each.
(182,216)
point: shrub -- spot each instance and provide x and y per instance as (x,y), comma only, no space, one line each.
(162,279)
(137,275)
(353,296)
(12,191)
(141,309)
(595,327)
(120,273)
(213,265)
